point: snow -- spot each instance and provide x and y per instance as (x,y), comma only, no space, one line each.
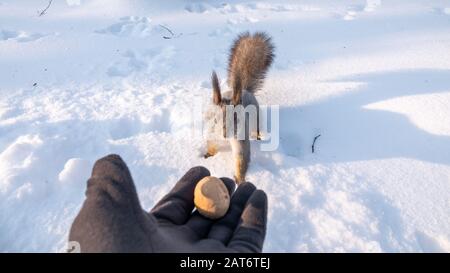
(93,77)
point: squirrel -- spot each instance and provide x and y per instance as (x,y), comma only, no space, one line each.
(250,58)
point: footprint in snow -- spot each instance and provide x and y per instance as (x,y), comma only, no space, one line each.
(197,8)
(441,11)
(271,7)
(224,31)
(353,11)
(20,36)
(133,26)
(156,59)
(224,8)
(242,20)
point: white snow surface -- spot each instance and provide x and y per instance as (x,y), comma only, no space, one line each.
(93,77)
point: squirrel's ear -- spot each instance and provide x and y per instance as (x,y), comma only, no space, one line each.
(237,90)
(217,97)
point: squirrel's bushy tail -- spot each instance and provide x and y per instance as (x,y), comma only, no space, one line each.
(250,58)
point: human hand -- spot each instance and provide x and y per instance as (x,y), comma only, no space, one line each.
(112,220)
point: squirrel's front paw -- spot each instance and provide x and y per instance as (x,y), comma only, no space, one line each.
(239,180)
(256,135)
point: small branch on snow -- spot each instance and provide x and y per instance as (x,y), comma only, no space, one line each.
(168,29)
(172,35)
(41,13)
(314,143)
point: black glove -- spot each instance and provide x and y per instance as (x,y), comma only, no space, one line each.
(112,220)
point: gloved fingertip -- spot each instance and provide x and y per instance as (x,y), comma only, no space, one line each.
(247,187)
(255,212)
(112,157)
(111,166)
(259,199)
(229,183)
(197,172)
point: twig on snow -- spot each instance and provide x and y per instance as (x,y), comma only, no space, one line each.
(172,35)
(41,13)
(314,143)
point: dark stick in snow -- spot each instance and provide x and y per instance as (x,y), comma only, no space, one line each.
(40,13)
(172,35)
(314,142)
(170,31)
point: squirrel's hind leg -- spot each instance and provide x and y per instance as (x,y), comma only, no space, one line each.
(241,154)
(211,148)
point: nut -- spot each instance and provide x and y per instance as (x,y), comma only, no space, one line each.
(211,197)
